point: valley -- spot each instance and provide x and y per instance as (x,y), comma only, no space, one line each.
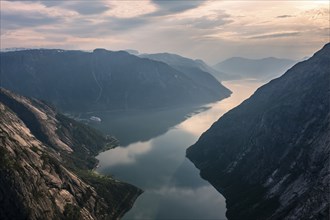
(164,110)
(172,186)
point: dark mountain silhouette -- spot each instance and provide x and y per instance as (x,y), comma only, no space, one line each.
(104,80)
(197,67)
(270,155)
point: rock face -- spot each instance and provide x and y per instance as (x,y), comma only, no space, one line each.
(80,81)
(45,166)
(261,69)
(269,156)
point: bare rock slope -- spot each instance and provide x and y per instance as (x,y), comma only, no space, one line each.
(46,166)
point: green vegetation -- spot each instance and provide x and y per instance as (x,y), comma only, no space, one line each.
(5,162)
(84,137)
(102,184)
(34,149)
(71,212)
(110,189)
(92,176)
(85,141)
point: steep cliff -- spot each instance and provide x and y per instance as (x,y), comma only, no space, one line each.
(270,155)
(46,166)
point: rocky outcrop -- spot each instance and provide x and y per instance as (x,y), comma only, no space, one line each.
(270,155)
(78,81)
(46,166)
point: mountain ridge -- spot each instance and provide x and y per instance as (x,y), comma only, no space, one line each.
(263,69)
(269,156)
(46,166)
(185,64)
(108,80)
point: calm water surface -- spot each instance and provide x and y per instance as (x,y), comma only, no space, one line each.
(154,158)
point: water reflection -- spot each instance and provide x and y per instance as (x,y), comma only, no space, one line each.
(153,169)
(187,196)
(172,185)
(133,126)
(127,155)
(242,89)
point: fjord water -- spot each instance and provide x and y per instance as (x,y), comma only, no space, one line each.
(155,160)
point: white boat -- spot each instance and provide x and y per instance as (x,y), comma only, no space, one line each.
(94,118)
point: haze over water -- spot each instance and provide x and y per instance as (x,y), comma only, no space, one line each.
(172,186)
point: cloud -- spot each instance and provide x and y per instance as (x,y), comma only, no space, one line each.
(275,35)
(172,6)
(210,22)
(56,17)
(86,28)
(121,9)
(87,8)
(122,24)
(197,29)
(12,20)
(81,7)
(16,15)
(49,3)
(285,16)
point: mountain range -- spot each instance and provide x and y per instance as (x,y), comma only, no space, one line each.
(186,65)
(79,81)
(269,156)
(260,69)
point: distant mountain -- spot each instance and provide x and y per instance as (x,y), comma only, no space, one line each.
(133,52)
(13,49)
(196,67)
(46,166)
(262,69)
(79,81)
(269,156)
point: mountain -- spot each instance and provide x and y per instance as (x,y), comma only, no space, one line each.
(78,81)
(188,66)
(46,166)
(269,156)
(263,69)
(133,52)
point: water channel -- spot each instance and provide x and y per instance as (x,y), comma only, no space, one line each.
(151,156)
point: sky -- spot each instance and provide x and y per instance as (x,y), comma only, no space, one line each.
(212,30)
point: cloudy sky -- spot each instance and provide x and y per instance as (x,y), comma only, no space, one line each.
(211,29)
